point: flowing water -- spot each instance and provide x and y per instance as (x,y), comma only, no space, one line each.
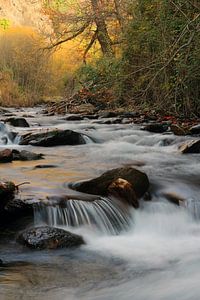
(154,255)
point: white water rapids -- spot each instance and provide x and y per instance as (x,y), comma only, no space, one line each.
(157,254)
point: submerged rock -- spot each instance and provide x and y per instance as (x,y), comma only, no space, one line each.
(17,122)
(49,238)
(192,146)
(53,138)
(127,181)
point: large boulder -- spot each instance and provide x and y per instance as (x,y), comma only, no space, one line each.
(49,238)
(192,146)
(53,138)
(114,181)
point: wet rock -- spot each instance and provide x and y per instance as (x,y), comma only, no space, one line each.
(195,129)
(155,127)
(17,122)
(53,138)
(49,238)
(192,146)
(24,155)
(6,156)
(16,208)
(100,185)
(123,190)
(178,130)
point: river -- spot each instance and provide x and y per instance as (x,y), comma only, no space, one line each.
(157,257)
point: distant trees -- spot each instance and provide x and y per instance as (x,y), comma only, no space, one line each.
(162,55)
(25,70)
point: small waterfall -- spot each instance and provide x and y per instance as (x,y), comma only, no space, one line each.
(87,139)
(193,206)
(102,214)
(7,137)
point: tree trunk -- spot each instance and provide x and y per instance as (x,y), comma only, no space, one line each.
(118,13)
(102,31)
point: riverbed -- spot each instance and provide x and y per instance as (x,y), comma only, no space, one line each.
(157,257)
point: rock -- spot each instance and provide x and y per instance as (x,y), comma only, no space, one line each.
(110,121)
(192,146)
(45,166)
(6,156)
(17,122)
(7,190)
(49,238)
(195,129)
(178,130)
(16,207)
(123,190)
(24,155)
(82,109)
(73,118)
(53,138)
(109,114)
(100,185)
(90,117)
(155,127)
(131,114)
(174,198)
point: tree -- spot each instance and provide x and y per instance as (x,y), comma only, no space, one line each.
(89,20)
